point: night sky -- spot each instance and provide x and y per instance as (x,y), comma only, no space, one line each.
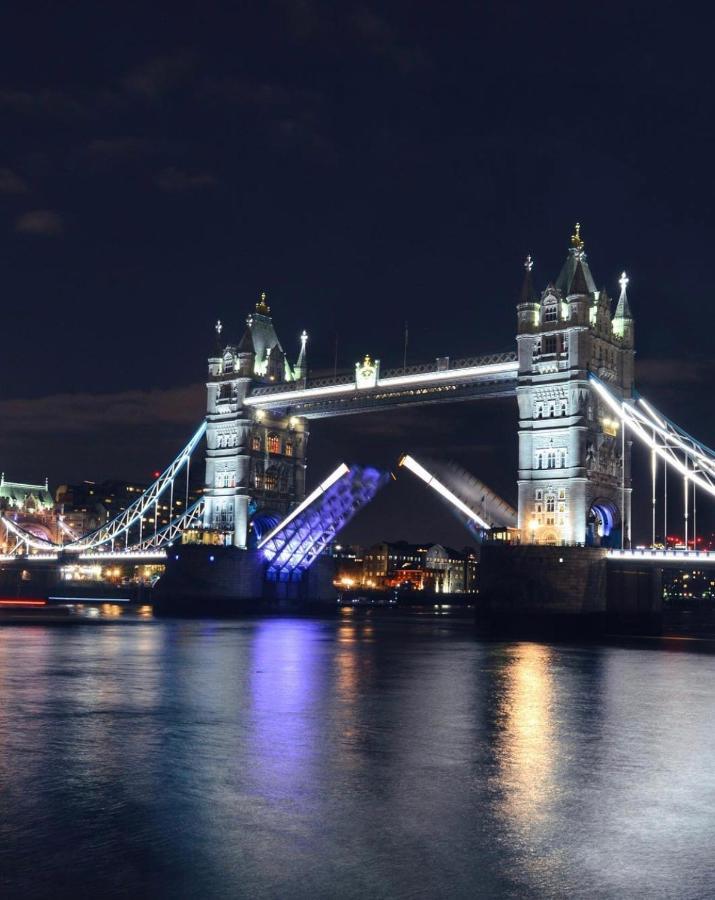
(365,164)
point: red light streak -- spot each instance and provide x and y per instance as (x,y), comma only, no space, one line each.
(20,602)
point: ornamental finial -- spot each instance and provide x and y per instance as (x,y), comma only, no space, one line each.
(219,327)
(623,281)
(576,240)
(528,263)
(262,307)
(304,337)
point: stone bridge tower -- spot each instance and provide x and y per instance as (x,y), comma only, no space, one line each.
(574,461)
(255,461)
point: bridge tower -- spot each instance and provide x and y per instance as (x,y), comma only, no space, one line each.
(255,460)
(574,462)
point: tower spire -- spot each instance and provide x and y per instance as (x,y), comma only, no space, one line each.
(301,369)
(527,288)
(623,310)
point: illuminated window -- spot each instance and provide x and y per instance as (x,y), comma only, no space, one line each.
(551,313)
(274,443)
(289,448)
(256,442)
(271,478)
(258,479)
(550,509)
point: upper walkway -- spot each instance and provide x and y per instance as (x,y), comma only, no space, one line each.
(367,388)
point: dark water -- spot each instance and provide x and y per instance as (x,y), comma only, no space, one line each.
(352,758)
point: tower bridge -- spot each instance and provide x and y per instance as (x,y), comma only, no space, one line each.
(573,379)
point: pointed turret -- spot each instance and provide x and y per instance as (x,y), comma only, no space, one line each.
(623,319)
(301,366)
(577,254)
(623,310)
(528,294)
(261,336)
(579,285)
(528,306)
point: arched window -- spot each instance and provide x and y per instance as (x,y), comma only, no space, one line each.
(551,460)
(271,479)
(563,407)
(551,312)
(289,448)
(274,443)
(256,442)
(258,478)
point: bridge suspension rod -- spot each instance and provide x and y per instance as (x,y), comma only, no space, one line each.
(630,416)
(137,511)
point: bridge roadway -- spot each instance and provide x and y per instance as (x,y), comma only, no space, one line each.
(484,377)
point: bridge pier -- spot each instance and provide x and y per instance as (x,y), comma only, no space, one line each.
(224,580)
(530,589)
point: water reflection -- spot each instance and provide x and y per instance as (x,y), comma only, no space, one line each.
(525,739)
(355,758)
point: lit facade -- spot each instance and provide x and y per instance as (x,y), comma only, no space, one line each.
(255,459)
(574,464)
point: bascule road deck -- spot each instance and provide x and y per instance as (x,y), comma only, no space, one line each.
(484,377)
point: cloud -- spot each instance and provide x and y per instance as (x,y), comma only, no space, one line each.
(377,36)
(157,77)
(42,102)
(125,147)
(669,372)
(12,183)
(59,414)
(173,180)
(43,222)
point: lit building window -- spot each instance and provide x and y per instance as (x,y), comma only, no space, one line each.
(289,448)
(271,478)
(274,443)
(551,313)
(256,442)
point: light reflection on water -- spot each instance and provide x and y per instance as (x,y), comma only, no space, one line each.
(357,757)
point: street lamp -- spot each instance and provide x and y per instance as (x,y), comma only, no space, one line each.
(533,524)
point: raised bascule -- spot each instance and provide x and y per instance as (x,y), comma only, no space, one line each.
(578,413)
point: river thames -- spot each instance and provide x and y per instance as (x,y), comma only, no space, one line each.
(356,757)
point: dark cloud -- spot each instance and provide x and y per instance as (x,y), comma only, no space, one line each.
(173,180)
(60,414)
(674,372)
(125,147)
(376,35)
(42,102)
(157,77)
(42,222)
(12,183)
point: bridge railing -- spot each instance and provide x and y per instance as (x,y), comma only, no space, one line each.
(441,364)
